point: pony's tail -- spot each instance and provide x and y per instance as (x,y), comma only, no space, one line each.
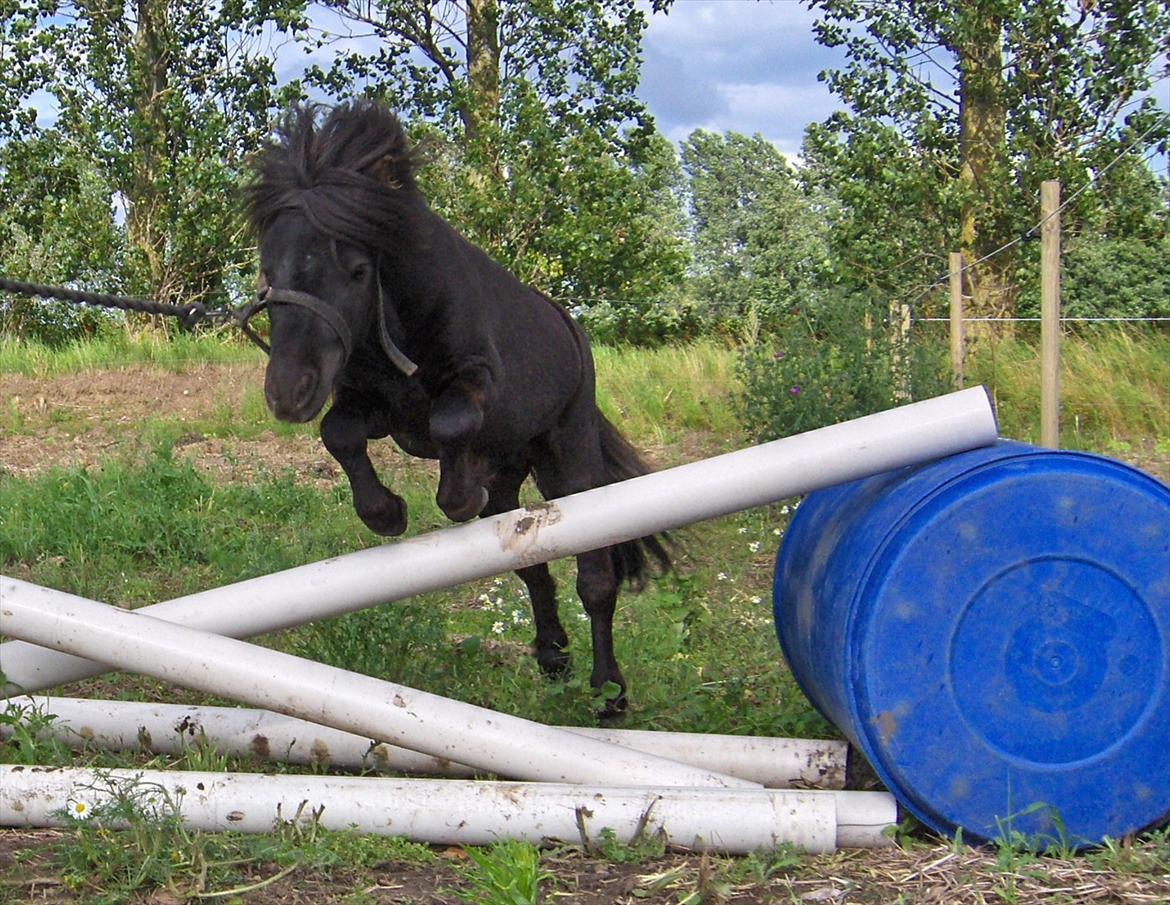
(631,559)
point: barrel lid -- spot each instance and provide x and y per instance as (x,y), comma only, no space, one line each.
(1010,650)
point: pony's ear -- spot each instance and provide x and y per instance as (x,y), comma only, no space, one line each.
(387,170)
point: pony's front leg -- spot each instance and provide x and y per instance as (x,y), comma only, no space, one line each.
(344,432)
(456,417)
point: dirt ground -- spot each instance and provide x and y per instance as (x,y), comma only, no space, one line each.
(923,874)
(78,419)
(82,418)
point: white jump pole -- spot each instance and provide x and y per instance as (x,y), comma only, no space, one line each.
(438,726)
(649,504)
(458,812)
(266,736)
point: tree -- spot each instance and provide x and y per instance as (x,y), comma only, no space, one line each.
(970,105)
(760,243)
(540,150)
(165,97)
(52,196)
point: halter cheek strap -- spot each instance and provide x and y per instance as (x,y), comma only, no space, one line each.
(267,295)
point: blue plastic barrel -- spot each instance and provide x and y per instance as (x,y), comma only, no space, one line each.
(992,631)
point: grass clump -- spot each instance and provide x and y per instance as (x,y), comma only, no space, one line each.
(134,533)
(505,873)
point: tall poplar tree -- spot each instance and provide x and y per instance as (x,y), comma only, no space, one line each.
(960,108)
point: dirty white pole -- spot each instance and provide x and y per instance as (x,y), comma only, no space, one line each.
(458,812)
(267,736)
(649,504)
(438,726)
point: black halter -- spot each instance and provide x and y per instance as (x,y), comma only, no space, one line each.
(267,295)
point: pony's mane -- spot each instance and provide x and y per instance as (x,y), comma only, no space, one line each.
(349,172)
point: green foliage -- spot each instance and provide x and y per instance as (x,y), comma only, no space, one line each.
(53,195)
(952,128)
(129,533)
(1114,386)
(642,847)
(760,238)
(1127,277)
(128,838)
(32,357)
(27,740)
(540,150)
(592,224)
(830,364)
(164,98)
(506,873)
(698,648)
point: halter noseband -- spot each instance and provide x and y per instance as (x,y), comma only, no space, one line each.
(267,295)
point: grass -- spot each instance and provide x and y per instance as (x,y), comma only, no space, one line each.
(1114,388)
(657,394)
(119,350)
(697,647)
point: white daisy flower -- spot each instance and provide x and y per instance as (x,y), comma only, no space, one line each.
(78,809)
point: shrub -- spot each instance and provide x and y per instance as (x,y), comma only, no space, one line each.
(829,364)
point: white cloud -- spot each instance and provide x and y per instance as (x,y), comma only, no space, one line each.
(736,65)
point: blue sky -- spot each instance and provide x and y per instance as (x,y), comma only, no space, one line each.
(736,65)
(751,66)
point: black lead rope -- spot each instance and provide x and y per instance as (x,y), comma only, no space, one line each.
(190,315)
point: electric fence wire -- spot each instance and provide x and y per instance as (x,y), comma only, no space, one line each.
(1034,230)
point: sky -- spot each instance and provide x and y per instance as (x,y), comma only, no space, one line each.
(743,66)
(750,66)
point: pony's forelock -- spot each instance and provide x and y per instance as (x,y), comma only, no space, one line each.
(347,168)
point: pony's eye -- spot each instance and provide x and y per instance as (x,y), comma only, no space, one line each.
(359,273)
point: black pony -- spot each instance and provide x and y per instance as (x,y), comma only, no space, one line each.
(420,336)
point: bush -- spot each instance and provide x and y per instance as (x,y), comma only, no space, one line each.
(831,364)
(654,323)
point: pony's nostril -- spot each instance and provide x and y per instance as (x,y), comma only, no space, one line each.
(303,391)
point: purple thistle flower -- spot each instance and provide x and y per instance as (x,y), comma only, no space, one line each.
(794,392)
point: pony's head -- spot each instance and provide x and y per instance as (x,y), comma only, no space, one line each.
(327,202)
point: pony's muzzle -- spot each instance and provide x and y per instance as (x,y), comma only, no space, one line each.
(292,397)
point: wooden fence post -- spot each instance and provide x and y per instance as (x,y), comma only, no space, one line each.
(1050,314)
(956,280)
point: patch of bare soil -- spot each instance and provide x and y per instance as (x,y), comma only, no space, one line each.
(80,419)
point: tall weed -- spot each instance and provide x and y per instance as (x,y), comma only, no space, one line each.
(1114,386)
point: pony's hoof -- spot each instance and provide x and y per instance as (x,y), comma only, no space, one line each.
(387,518)
(614,709)
(469,508)
(553,661)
